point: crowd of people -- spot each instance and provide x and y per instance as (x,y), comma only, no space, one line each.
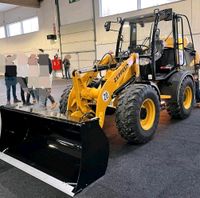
(34,74)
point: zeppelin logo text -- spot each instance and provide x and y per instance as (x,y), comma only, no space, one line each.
(120,73)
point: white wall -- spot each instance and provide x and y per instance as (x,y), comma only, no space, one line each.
(107,40)
(78,41)
(32,41)
(77,28)
(75,12)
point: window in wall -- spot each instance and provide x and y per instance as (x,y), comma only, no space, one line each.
(14,29)
(2,32)
(30,25)
(111,7)
(151,3)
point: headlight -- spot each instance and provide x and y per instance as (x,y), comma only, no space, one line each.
(144,61)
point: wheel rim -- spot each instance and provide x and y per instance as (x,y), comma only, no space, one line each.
(147,114)
(187,97)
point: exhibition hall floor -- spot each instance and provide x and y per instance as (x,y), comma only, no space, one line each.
(167,166)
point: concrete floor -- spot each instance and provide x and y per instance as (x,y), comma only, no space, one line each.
(168,166)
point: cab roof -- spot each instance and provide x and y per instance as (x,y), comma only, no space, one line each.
(147,18)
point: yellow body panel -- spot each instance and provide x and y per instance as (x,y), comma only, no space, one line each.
(120,76)
(165,97)
(107,59)
(82,97)
(197,59)
(86,102)
(169,42)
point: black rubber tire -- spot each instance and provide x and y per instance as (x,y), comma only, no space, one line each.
(128,113)
(176,109)
(64,99)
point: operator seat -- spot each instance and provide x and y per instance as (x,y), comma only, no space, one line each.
(166,62)
(164,57)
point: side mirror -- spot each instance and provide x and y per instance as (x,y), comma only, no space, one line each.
(107,25)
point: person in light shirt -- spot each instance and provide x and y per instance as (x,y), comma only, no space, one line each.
(22,77)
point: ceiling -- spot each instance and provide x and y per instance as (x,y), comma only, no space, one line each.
(26,3)
(5,7)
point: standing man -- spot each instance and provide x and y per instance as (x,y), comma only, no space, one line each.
(56,64)
(33,76)
(49,96)
(197,90)
(66,64)
(22,73)
(11,78)
(45,79)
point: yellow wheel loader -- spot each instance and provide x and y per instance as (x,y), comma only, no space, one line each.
(143,76)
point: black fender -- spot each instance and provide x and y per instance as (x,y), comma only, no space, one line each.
(156,88)
(172,85)
(154,85)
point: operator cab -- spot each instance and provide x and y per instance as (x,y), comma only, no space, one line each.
(159,40)
(152,49)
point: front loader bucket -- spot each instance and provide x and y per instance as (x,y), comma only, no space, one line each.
(65,154)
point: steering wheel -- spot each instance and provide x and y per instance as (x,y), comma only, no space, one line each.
(123,54)
(141,49)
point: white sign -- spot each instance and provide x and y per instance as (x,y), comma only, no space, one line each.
(105,96)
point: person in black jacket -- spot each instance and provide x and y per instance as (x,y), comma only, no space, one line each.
(45,93)
(11,79)
(67,64)
(197,90)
